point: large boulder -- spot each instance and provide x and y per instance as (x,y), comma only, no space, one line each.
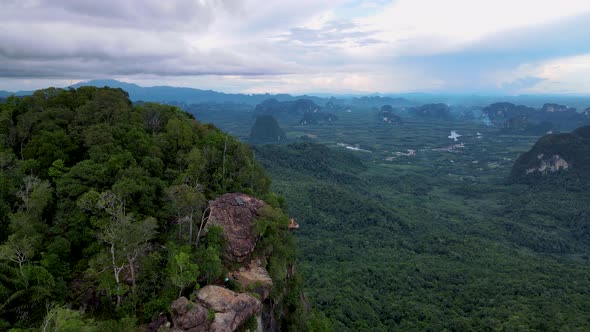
(235,213)
(188,316)
(254,277)
(231,309)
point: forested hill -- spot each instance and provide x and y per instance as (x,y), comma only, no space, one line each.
(558,160)
(101,201)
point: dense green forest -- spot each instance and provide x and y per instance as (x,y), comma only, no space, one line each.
(388,246)
(403,228)
(99,201)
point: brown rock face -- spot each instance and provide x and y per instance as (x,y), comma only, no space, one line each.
(235,213)
(254,277)
(189,316)
(231,309)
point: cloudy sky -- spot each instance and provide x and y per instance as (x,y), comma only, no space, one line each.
(298,46)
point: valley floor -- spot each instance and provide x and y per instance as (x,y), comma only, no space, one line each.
(424,233)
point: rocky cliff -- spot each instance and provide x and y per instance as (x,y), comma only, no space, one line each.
(235,213)
(216,309)
(250,297)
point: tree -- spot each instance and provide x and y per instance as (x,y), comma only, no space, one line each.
(137,237)
(182,271)
(126,239)
(18,250)
(35,195)
(61,319)
(210,257)
(211,264)
(187,201)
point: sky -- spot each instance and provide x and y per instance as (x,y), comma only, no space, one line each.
(301,46)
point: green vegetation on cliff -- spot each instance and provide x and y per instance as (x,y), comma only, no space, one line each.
(101,207)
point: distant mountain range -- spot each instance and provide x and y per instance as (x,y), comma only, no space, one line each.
(196,96)
(184,95)
(176,94)
(5,94)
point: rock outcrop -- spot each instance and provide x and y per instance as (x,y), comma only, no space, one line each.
(255,278)
(231,309)
(188,316)
(217,310)
(235,213)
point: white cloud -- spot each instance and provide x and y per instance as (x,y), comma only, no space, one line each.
(278,46)
(431,26)
(562,75)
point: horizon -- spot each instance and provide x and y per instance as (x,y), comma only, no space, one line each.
(457,47)
(327,94)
